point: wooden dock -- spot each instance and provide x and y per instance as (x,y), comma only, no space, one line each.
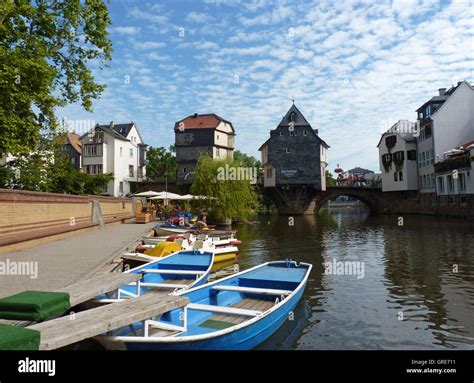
(90,288)
(67,330)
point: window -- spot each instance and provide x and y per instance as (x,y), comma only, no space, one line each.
(131,152)
(432,156)
(424,158)
(411,155)
(287,150)
(218,152)
(428,131)
(420,181)
(121,152)
(390,141)
(293,117)
(462,182)
(424,181)
(184,170)
(450,182)
(433,180)
(73,161)
(400,176)
(121,187)
(281,134)
(105,188)
(395,177)
(98,138)
(140,172)
(291,133)
(440,184)
(92,150)
(93,169)
(269,173)
(131,171)
(305,133)
(217,137)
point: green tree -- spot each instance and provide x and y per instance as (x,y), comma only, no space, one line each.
(161,162)
(45,51)
(234,199)
(330,180)
(246,160)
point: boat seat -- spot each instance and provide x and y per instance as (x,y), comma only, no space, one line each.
(163,285)
(253,290)
(224,310)
(276,274)
(180,272)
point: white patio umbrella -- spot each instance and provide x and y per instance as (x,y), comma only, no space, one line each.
(149,193)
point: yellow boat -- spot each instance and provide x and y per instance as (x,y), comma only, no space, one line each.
(221,254)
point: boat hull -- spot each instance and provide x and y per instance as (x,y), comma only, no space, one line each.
(245,338)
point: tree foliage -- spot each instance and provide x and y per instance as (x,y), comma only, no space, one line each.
(235,199)
(161,163)
(45,49)
(246,160)
(330,180)
(50,170)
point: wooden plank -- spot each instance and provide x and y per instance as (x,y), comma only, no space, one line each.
(89,288)
(63,331)
(177,272)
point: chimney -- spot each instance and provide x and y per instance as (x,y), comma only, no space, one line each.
(195,115)
(442,91)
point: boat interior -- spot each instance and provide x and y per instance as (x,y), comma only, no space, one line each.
(225,304)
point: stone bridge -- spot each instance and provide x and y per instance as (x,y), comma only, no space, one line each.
(291,200)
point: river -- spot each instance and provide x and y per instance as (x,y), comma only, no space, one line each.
(416,290)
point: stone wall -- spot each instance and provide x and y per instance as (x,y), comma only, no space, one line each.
(26,215)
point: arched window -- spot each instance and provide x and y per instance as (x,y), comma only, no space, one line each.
(293,117)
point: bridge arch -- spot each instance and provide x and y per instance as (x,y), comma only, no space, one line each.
(368,196)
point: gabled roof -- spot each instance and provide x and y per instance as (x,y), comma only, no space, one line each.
(75,141)
(443,98)
(202,121)
(299,121)
(119,131)
(407,137)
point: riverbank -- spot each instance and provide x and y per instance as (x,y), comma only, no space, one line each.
(61,263)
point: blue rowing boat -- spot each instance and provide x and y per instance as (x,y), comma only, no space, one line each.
(234,313)
(176,272)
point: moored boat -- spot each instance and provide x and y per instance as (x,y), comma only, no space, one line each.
(179,271)
(234,313)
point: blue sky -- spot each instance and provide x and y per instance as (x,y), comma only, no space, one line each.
(354,68)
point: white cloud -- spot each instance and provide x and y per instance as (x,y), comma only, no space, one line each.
(149,45)
(198,17)
(126,30)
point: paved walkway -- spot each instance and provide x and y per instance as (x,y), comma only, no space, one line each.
(67,261)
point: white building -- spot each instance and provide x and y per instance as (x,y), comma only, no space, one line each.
(454,174)
(397,156)
(117,149)
(445,121)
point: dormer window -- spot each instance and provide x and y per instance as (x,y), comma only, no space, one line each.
(305,133)
(293,117)
(291,133)
(281,134)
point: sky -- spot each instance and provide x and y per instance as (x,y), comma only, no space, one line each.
(353,68)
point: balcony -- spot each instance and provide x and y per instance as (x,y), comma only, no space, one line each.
(92,150)
(453,163)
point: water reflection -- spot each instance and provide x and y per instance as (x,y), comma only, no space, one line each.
(417,291)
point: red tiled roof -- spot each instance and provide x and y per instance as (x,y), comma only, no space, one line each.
(75,141)
(201,121)
(466,145)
